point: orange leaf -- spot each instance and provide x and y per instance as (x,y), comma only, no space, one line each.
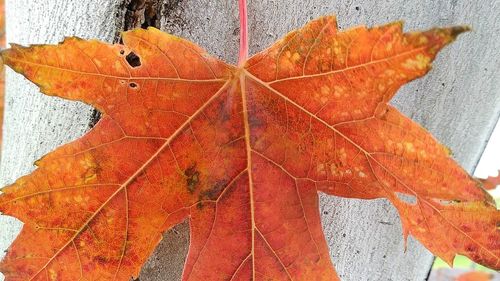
(238,151)
(491,182)
(475,276)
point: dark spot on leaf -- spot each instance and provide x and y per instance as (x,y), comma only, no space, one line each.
(254,121)
(224,112)
(122,52)
(470,248)
(325,213)
(133,60)
(192,178)
(133,85)
(215,190)
(357,8)
(199,205)
(101,260)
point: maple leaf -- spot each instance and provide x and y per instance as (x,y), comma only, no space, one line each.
(240,152)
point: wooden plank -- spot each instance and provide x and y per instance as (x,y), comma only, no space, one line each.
(458,102)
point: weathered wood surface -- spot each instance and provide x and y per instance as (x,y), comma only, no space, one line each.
(458,101)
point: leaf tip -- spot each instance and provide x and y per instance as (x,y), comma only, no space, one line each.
(13,51)
(450,34)
(448,260)
(5,53)
(457,30)
(399,23)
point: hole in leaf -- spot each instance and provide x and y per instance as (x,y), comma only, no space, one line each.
(133,60)
(408,199)
(133,85)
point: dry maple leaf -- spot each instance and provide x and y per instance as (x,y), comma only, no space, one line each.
(240,152)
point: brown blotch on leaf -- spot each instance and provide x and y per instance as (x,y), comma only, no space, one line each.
(254,121)
(214,192)
(192,178)
(224,112)
(100,259)
(199,205)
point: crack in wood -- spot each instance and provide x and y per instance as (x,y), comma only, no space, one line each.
(142,13)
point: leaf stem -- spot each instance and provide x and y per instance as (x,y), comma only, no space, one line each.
(243,33)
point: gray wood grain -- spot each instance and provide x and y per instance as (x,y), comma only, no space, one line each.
(458,101)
